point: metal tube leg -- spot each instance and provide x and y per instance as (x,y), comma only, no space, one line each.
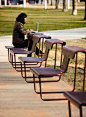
(61,57)
(8,55)
(12,59)
(80,111)
(42,46)
(69,107)
(34,82)
(25,71)
(21,70)
(15,60)
(55,56)
(84,74)
(40,87)
(75,72)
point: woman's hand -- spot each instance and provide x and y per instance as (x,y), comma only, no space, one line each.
(31,30)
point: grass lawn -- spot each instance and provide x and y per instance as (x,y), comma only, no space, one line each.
(49,19)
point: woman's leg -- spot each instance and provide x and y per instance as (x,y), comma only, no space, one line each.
(23,45)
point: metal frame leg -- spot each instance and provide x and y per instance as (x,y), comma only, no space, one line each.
(84,74)
(81,111)
(69,107)
(15,61)
(55,56)
(35,84)
(75,72)
(40,88)
(48,99)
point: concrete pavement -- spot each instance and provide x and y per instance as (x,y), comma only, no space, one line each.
(67,34)
(18,99)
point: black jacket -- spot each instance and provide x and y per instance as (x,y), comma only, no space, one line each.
(18,33)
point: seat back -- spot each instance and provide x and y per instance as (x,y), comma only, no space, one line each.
(38,38)
(67,54)
(48,46)
(31,36)
(65,63)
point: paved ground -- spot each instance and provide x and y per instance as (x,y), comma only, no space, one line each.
(68,34)
(18,99)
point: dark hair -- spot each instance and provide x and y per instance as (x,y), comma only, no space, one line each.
(21,17)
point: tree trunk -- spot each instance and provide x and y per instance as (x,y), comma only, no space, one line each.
(74,10)
(78,0)
(85,10)
(5,2)
(52,2)
(57,4)
(0,2)
(65,6)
